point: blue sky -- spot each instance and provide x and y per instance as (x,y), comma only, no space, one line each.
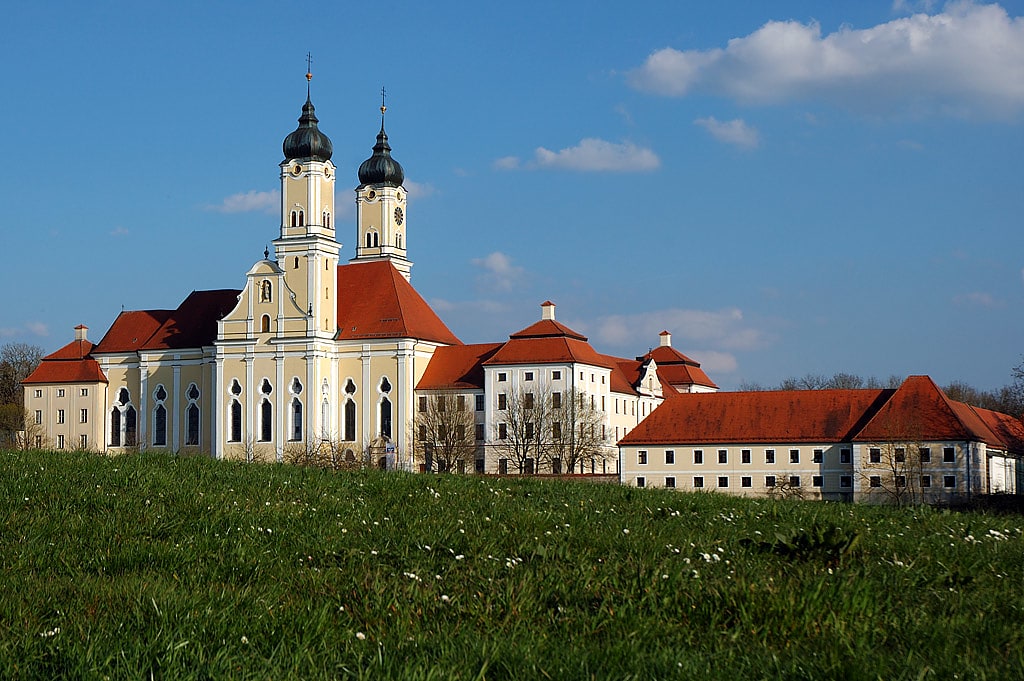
(787,187)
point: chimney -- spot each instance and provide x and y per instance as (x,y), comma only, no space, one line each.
(81,332)
(666,339)
(547,310)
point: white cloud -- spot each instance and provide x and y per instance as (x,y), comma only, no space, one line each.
(966,60)
(119,231)
(734,132)
(976,299)
(593,154)
(249,202)
(38,328)
(32,328)
(724,328)
(507,163)
(418,190)
(712,361)
(498,271)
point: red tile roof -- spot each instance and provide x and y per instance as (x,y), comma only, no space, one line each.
(548,328)
(675,368)
(376,301)
(547,350)
(919,410)
(70,364)
(131,330)
(759,417)
(1008,430)
(194,323)
(457,366)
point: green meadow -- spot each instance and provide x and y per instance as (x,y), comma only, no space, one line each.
(154,566)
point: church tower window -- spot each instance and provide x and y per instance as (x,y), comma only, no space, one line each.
(266,421)
(130,427)
(236,421)
(296,419)
(160,417)
(265,324)
(302,219)
(295,219)
(385,408)
(115,427)
(192,425)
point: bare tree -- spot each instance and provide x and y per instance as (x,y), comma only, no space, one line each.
(894,471)
(581,433)
(445,432)
(17,361)
(787,486)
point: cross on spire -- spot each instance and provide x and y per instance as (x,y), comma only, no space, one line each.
(383,108)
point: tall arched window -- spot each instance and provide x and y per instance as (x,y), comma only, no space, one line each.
(350,420)
(192,425)
(236,421)
(398,240)
(295,219)
(369,240)
(130,427)
(296,419)
(265,324)
(302,219)
(160,426)
(385,417)
(266,421)
(115,427)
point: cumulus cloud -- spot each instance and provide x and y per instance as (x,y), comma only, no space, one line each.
(418,190)
(735,132)
(507,163)
(593,154)
(30,328)
(250,202)
(976,299)
(967,60)
(119,231)
(38,328)
(498,272)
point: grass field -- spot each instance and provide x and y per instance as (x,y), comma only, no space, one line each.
(185,568)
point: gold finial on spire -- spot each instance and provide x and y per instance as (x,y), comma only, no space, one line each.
(309,67)
(382,107)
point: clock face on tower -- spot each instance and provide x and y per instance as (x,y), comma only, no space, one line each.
(399,216)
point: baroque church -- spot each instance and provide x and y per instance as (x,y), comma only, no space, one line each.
(313,350)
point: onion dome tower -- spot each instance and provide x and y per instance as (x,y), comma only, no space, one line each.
(307,251)
(381,205)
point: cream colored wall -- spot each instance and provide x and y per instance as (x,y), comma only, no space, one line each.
(47,400)
(969,464)
(656,470)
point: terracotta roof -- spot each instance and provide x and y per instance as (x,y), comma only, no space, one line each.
(131,329)
(547,350)
(1008,430)
(376,301)
(548,328)
(457,366)
(676,368)
(759,417)
(919,410)
(70,364)
(194,323)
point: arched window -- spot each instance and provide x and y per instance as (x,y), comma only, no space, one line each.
(398,240)
(236,421)
(160,426)
(327,220)
(350,420)
(122,396)
(369,240)
(266,421)
(192,425)
(130,427)
(385,417)
(295,266)
(302,219)
(376,241)
(295,219)
(296,419)
(265,324)
(115,427)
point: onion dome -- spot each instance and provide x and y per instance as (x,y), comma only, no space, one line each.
(306,141)
(380,168)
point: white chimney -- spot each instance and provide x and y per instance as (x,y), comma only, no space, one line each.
(666,339)
(547,310)
(81,332)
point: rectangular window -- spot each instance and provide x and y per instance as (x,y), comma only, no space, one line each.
(556,400)
(948,455)
(39,393)
(556,430)
(926,481)
(698,481)
(440,404)
(746,481)
(528,401)
(794,456)
(616,405)
(529,430)
(900,454)
(556,375)
(528,376)
(60,393)
(83,441)
(769,457)
(502,466)
(83,416)
(670,456)
(60,416)
(723,456)
(698,456)
(723,480)
(744,456)
(602,403)
(670,482)
(641,482)
(502,401)
(460,402)
(479,402)
(39,416)
(794,481)
(875,481)
(60,442)
(478,431)
(769,481)
(818,456)
(641,457)
(423,432)
(844,456)
(84,392)
(816,481)
(875,455)
(949,481)
(502,376)
(901,481)
(925,454)
(846,481)
(502,431)
(460,432)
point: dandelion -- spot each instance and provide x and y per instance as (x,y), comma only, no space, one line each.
(361,636)
(245,640)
